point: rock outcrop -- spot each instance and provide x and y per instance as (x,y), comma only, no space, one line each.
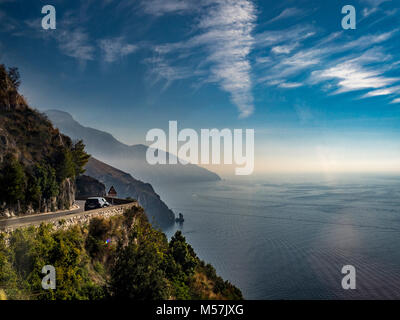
(89,187)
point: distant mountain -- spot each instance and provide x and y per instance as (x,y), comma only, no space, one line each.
(127,186)
(132,159)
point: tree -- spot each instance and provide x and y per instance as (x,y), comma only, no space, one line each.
(80,157)
(42,184)
(12,181)
(46,176)
(183,253)
(137,272)
(64,164)
(14,76)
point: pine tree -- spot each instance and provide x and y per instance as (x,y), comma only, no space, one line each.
(80,157)
(13,181)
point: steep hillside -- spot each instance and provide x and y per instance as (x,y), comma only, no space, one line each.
(132,159)
(122,257)
(38,164)
(89,187)
(127,186)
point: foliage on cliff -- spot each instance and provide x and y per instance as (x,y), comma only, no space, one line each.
(35,158)
(123,257)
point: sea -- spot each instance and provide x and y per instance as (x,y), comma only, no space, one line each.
(289,237)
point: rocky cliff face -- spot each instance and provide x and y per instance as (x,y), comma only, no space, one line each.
(38,164)
(89,187)
(127,186)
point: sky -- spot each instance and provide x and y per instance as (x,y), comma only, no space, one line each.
(320,98)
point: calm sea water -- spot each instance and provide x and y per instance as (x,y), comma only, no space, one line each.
(281,238)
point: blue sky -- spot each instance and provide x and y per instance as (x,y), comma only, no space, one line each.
(319,97)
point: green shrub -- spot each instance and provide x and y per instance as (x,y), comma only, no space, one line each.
(13,181)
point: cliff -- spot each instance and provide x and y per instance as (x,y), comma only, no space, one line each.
(89,187)
(114,258)
(127,186)
(38,164)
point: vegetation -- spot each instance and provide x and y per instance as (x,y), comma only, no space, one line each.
(35,158)
(122,257)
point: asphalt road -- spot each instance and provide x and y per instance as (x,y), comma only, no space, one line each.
(7,222)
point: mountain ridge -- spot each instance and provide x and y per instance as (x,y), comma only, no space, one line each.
(130,158)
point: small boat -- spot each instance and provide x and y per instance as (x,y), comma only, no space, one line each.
(180,218)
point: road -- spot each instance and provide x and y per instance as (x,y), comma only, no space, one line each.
(9,222)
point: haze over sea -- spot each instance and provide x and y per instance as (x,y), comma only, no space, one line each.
(288,237)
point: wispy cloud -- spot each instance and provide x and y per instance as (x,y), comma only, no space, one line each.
(72,40)
(338,65)
(290,85)
(397,100)
(227,35)
(225,32)
(116,48)
(161,7)
(287,36)
(375,3)
(288,13)
(161,69)
(352,76)
(224,36)
(368,11)
(383,92)
(285,49)
(75,43)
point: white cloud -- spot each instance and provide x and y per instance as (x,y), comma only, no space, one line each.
(163,70)
(116,48)
(223,40)
(161,7)
(290,85)
(337,65)
(397,100)
(368,11)
(383,92)
(75,44)
(375,3)
(72,41)
(285,49)
(286,36)
(288,13)
(352,76)
(227,36)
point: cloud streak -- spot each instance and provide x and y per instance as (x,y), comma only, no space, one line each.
(352,76)
(288,13)
(227,35)
(224,35)
(161,7)
(343,66)
(116,48)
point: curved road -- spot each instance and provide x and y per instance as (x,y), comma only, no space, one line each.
(9,222)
